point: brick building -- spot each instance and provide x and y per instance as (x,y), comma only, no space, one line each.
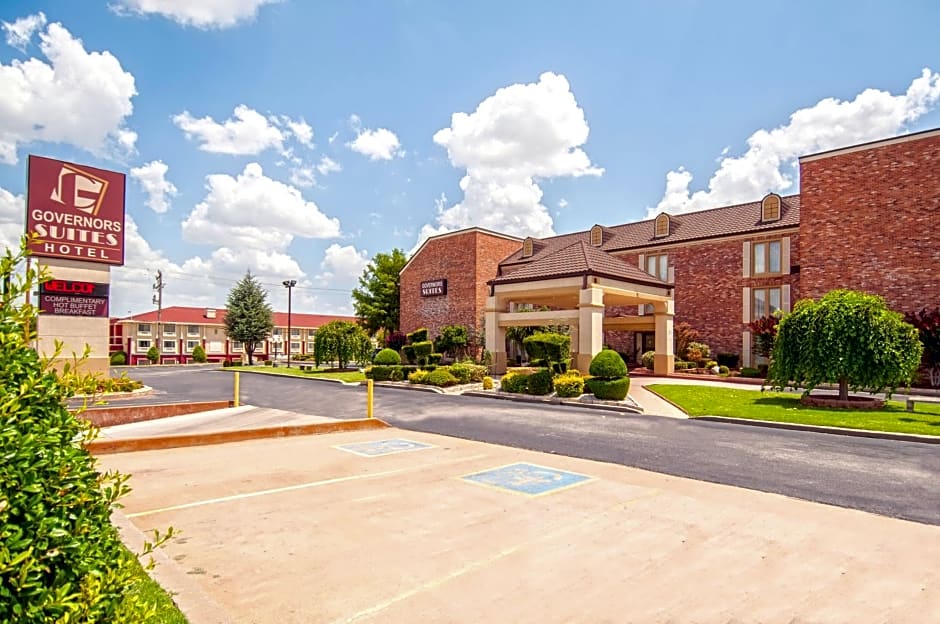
(865,219)
(181,329)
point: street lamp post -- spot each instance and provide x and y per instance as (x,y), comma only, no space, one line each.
(289,285)
(276,340)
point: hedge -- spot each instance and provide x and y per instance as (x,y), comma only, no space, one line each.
(539,383)
(418,335)
(610,389)
(569,385)
(442,378)
(514,382)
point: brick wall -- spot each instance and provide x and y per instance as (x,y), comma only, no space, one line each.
(869,222)
(467,260)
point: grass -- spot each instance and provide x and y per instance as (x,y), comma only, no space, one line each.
(328,373)
(150,591)
(785,407)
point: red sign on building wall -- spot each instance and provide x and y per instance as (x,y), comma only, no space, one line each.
(77,211)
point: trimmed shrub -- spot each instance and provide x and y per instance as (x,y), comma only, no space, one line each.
(548,348)
(539,383)
(396,374)
(395,341)
(387,357)
(697,351)
(608,363)
(226,363)
(514,382)
(422,349)
(487,383)
(609,389)
(418,335)
(711,364)
(269,362)
(435,358)
(467,372)
(153,354)
(442,378)
(569,385)
(199,354)
(723,370)
(118,358)
(728,359)
(235,363)
(409,352)
(647,359)
(749,371)
(379,373)
(418,377)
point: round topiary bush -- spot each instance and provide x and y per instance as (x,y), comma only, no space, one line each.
(610,389)
(487,383)
(387,357)
(647,359)
(118,358)
(608,363)
(442,378)
(539,383)
(199,354)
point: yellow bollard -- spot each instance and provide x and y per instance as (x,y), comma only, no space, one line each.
(369,394)
(236,388)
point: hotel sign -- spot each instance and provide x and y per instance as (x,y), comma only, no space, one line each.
(434,288)
(76,211)
(73,298)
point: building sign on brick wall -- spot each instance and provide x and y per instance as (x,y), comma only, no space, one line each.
(76,211)
(434,288)
(73,298)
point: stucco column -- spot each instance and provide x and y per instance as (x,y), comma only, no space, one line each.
(664,359)
(575,347)
(590,326)
(495,336)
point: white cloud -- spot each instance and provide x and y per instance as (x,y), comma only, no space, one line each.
(562,203)
(769,162)
(518,135)
(380,144)
(77,97)
(199,13)
(333,137)
(20,32)
(12,218)
(328,165)
(301,131)
(152,178)
(254,211)
(342,266)
(249,132)
(303,177)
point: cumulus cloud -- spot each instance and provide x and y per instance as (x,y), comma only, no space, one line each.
(327,165)
(77,97)
(255,211)
(12,218)
(380,144)
(342,265)
(152,178)
(20,32)
(517,136)
(768,163)
(248,132)
(301,131)
(204,14)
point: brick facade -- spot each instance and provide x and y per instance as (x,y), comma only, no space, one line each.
(466,259)
(869,221)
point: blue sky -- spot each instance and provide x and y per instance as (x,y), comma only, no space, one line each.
(297,139)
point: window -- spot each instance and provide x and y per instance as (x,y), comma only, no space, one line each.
(658,266)
(143,345)
(770,208)
(527,247)
(766,302)
(143,329)
(597,236)
(169,346)
(295,347)
(192,330)
(276,332)
(662,226)
(295,332)
(311,347)
(766,257)
(169,330)
(191,344)
(236,345)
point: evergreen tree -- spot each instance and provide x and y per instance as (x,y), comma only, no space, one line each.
(248,317)
(376,301)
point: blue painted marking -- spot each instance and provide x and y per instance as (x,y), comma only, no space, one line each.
(527,478)
(383,447)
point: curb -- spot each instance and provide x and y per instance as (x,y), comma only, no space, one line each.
(237,369)
(845,431)
(111,396)
(623,409)
(196,604)
(106,447)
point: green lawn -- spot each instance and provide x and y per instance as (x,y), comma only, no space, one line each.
(166,611)
(783,407)
(346,375)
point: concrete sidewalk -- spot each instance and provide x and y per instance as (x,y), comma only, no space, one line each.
(301,530)
(229,419)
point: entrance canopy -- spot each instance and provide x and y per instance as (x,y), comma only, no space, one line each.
(588,290)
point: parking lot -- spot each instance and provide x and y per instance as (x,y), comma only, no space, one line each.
(396,526)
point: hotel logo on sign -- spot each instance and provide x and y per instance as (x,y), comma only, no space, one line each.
(434,288)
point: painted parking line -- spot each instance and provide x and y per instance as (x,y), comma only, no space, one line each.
(528,479)
(378,448)
(299,486)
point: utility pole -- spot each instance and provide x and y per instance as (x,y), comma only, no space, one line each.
(158,300)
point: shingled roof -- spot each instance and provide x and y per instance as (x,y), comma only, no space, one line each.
(577,259)
(689,226)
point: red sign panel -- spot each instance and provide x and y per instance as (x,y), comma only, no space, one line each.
(73,298)
(77,211)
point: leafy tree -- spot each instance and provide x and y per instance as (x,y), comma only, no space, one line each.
(199,354)
(927,323)
(452,340)
(61,559)
(684,335)
(764,331)
(376,301)
(248,317)
(846,337)
(341,342)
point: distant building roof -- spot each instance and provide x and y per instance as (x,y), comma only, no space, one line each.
(198,316)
